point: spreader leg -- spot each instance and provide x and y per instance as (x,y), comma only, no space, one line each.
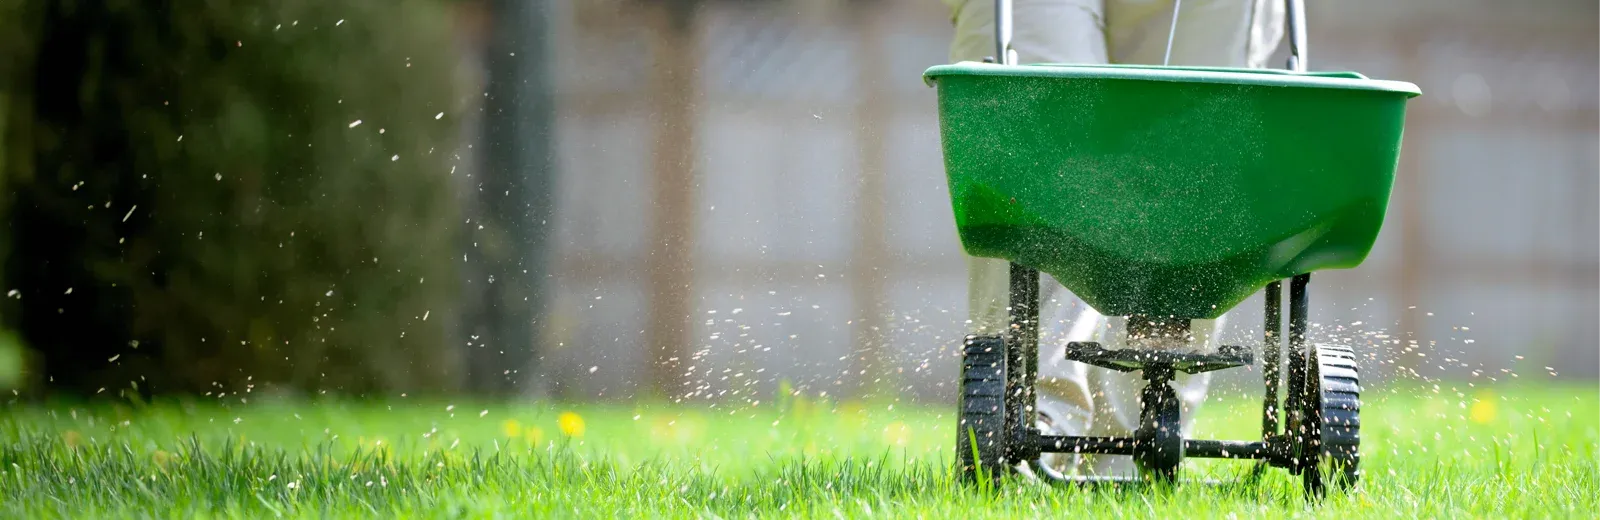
(1299,308)
(1023,358)
(1271,357)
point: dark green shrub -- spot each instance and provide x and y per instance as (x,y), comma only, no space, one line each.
(189,171)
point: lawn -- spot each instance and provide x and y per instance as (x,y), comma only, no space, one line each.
(1447,451)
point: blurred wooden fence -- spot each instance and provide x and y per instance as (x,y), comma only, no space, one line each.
(789,151)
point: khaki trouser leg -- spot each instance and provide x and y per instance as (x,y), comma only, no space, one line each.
(1074,398)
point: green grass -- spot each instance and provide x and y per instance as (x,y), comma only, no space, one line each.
(1450,452)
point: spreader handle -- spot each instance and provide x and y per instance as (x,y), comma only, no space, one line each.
(1004,53)
(1002,33)
(1296,10)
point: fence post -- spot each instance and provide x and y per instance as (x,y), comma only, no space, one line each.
(671,270)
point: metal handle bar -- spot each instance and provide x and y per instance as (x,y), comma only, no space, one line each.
(1002,33)
(1297,35)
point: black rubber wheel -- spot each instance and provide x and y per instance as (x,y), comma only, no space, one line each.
(980,431)
(1331,453)
(1158,447)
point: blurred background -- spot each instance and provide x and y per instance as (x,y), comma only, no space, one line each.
(626,199)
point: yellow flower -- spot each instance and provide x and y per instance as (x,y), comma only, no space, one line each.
(512,428)
(570,423)
(1483,410)
(72,438)
(896,433)
(662,429)
(534,435)
(853,415)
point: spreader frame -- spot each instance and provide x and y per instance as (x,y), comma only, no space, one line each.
(1026,442)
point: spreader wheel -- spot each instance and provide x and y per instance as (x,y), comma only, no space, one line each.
(980,433)
(1332,410)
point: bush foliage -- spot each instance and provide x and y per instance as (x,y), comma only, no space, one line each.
(186,191)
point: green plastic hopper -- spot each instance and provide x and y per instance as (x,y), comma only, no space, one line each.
(1168,191)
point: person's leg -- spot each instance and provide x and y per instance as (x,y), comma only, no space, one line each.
(1066,405)
(1075,399)
(988,295)
(1215,33)
(1224,33)
(1044,31)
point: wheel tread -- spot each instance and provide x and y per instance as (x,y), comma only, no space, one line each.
(982,406)
(1334,407)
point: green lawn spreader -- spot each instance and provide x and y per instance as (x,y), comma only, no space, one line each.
(1167,194)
